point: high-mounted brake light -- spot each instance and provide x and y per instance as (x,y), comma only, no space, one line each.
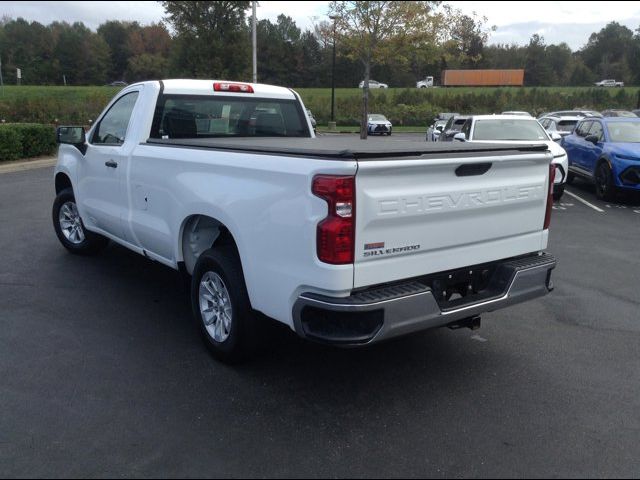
(335,239)
(547,215)
(232,87)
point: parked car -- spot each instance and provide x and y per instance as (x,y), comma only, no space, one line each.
(453,126)
(511,129)
(606,151)
(434,131)
(636,112)
(446,115)
(519,114)
(609,83)
(118,83)
(618,113)
(562,125)
(576,113)
(267,226)
(374,84)
(377,123)
(312,119)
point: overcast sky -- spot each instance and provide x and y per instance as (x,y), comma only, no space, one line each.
(570,22)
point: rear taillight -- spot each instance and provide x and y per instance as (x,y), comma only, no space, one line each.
(232,87)
(336,233)
(552,177)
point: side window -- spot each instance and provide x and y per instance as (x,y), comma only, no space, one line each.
(448,125)
(596,129)
(545,123)
(466,128)
(583,128)
(112,129)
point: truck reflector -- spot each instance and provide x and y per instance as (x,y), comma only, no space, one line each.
(547,216)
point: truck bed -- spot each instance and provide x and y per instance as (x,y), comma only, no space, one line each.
(346,148)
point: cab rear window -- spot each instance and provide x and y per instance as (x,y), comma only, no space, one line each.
(182,116)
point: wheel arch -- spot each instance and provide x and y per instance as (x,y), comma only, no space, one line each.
(600,161)
(199,232)
(62,181)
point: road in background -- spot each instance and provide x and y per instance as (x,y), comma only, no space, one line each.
(103,372)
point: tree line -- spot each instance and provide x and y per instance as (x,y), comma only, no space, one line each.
(213,40)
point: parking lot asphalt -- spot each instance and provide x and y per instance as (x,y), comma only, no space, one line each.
(102,372)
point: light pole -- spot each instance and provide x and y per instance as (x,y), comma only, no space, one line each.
(333,73)
(253,38)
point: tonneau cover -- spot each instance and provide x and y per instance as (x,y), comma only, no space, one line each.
(344,147)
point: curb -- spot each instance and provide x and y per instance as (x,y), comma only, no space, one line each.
(19,166)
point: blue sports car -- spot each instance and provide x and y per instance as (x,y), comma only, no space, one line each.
(607,152)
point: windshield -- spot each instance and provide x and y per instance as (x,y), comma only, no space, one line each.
(186,116)
(566,125)
(624,132)
(515,129)
(377,118)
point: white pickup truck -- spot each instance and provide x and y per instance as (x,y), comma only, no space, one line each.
(347,242)
(609,83)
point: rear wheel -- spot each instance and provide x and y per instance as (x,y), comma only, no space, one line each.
(70,229)
(605,189)
(221,305)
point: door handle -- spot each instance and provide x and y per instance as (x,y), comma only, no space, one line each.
(111,164)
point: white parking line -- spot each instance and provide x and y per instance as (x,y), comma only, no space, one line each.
(584,201)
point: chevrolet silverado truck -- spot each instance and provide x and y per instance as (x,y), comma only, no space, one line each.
(348,242)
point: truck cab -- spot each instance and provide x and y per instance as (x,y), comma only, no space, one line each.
(426,83)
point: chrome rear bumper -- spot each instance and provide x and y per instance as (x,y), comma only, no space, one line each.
(385,312)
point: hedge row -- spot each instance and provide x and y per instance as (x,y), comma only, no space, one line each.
(23,140)
(77,107)
(414,107)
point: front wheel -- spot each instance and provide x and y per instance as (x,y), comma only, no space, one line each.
(558,192)
(570,178)
(221,305)
(69,227)
(605,189)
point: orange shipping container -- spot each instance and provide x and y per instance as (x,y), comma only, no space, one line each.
(482,78)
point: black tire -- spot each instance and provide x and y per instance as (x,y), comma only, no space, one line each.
(557,193)
(92,242)
(570,178)
(243,333)
(605,189)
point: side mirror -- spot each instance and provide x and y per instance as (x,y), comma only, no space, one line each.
(72,136)
(592,138)
(440,128)
(460,137)
(555,136)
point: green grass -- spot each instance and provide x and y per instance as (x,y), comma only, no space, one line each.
(403,106)
(12,92)
(439,91)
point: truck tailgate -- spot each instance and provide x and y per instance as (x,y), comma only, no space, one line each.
(434,213)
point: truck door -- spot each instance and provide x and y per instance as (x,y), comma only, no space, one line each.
(102,200)
(581,146)
(593,151)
